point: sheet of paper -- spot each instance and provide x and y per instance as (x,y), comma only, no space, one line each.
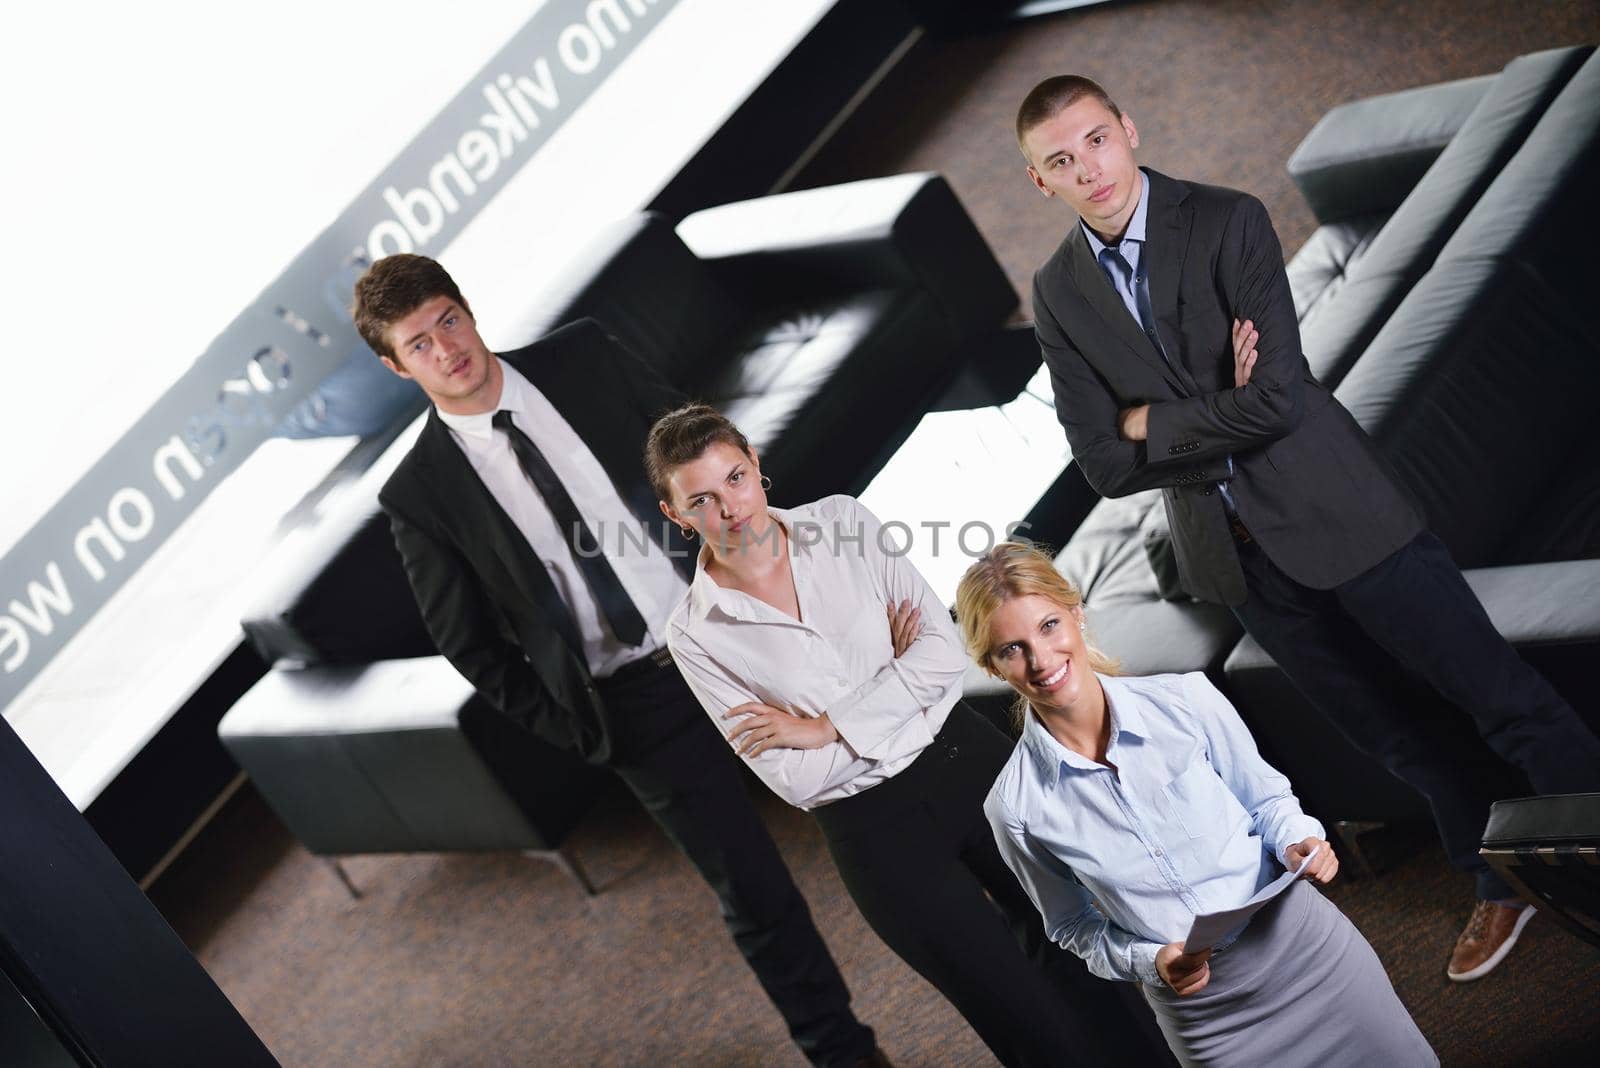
(1207,929)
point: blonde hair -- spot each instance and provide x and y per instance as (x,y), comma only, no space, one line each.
(1009,570)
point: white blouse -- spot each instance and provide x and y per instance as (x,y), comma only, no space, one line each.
(837,658)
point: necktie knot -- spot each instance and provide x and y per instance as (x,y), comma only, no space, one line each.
(1112,259)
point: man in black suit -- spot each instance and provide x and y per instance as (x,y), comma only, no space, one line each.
(520,515)
(1166,321)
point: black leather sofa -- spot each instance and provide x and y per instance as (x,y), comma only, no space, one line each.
(824,322)
(1449,296)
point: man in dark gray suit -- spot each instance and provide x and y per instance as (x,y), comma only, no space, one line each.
(1166,320)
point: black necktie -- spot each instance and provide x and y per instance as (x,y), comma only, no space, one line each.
(615,604)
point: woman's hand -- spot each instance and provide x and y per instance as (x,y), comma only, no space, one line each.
(1185,973)
(905,624)
(1322,869)
(773,728)
(1244,350)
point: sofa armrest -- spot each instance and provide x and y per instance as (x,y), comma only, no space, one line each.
(1366,155)
(904,230)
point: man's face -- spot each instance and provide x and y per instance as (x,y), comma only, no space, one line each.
(438,347)
(1085,156)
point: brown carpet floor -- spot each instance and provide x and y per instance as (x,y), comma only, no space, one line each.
(1221,90)
(499,960)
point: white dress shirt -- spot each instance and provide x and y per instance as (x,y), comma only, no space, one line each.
(836,658)
(1120,862)
(646,573)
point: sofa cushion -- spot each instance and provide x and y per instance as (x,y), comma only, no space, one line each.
(1337,332)
(1542,212)
(375,759)
(1317,271)
(655,296)
(333,591)
(1477,391)
(1481,387)
(901,231)
(825,391)
(1128,617)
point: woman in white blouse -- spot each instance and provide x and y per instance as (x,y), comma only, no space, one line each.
(1132,805)
(785,637)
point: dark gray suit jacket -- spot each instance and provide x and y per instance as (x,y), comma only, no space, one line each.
(484,594)
(1308,482)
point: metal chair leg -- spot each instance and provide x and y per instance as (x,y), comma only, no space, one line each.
(564,859)
(1349,833)
(344,876)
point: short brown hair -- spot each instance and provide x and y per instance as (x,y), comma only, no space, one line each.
(1053,96)
(392,289)
(1009,570)
(680,437)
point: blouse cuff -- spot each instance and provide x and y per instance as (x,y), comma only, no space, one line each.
(1297,829)
(1142,956)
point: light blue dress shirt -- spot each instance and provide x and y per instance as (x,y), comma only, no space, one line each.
(1132,248)
(1120,862)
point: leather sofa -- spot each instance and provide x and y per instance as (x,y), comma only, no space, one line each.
(1449,297)
(824,322)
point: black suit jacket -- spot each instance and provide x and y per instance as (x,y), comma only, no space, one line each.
(1308,482)
(485,596)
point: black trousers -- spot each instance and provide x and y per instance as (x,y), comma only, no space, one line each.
(1355,649)
(920,861)
(687,778)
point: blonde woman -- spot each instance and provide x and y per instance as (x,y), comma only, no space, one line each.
(1131,805)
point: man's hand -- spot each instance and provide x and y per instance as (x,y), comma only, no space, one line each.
(1245,337)
(1185,973)
(1132,423)
(1322,869)
(905,624)
(773,728)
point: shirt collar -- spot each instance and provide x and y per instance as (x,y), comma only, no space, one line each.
(705,594)
(481,424)
(1135,231)
(1127,717)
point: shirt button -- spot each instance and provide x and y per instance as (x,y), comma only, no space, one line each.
(1160,854)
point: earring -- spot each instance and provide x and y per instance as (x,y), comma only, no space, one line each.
(766,483)
(1083,624)
(688,532)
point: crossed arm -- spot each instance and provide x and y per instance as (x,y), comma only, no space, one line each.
(759,727)
(1125,447)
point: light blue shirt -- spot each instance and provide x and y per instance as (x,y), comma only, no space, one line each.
(1120,862)
(1132,248)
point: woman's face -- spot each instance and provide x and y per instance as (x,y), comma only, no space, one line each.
(1037,646)
(719,495)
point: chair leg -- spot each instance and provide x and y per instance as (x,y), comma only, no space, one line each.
(564,859)
(344,876)
(1349,833)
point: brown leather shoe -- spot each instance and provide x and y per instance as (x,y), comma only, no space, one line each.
(1490,934)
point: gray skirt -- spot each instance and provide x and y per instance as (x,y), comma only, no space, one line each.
(1299,987)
